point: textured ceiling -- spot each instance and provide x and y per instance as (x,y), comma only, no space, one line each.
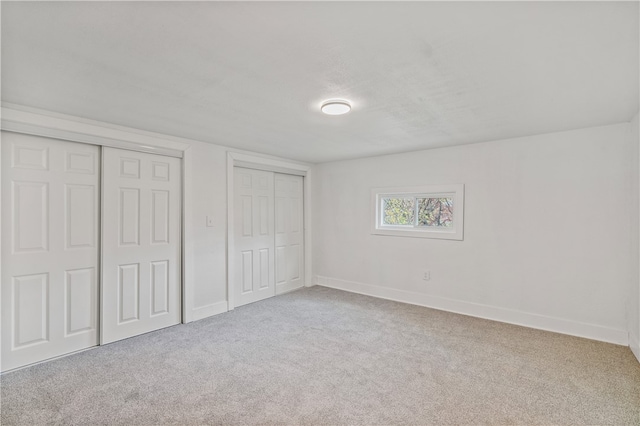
(252,75)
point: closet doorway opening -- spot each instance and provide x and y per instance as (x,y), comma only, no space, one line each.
(91,247)
(268,234)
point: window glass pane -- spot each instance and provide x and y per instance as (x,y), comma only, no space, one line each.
(398,211)
(435,212)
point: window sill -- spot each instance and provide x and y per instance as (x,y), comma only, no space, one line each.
(412,233)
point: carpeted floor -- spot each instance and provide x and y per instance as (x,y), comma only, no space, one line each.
(325,357)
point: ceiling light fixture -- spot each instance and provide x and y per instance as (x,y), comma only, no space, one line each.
(335,107)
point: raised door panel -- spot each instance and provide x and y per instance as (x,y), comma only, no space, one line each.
(295,261)
(246,224)
(160,217)
(81,222)
(160,171)
(263,215)
(81,292)
(295,212)
(280,213)
(81,162)
(30,155)
(160,287)
(30,216)
(281,265)
(129,216)
(264,279)
(30,310)
(128,293)
(129,167)
(246,271)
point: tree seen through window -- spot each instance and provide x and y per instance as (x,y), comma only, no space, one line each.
(425,211)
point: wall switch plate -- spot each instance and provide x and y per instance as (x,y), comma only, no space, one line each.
(427,275)
(210,221)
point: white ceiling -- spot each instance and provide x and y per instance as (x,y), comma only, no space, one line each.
(252,75)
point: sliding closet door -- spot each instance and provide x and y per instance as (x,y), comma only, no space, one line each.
(289,233)
(141,243)
(50,241)
(253,236)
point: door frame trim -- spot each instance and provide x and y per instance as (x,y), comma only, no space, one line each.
(237,159)
(33,121)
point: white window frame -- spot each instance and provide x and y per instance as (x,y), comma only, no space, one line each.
(455,191)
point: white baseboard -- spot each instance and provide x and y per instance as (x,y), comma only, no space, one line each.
(209,310)
(526,319)
(634,344)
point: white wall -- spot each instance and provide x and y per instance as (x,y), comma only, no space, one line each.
(633,301)
(208,183)
(547,231)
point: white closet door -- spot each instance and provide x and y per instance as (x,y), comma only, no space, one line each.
(50,213)
(253,236)
(289,233)
(141,243)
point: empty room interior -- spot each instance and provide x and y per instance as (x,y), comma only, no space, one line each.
(320,213)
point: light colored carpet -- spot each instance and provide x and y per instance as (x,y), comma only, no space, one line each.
(322,356)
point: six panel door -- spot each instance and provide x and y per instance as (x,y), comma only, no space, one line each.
(141,243)
(289,233)
(253,236)
(50,248)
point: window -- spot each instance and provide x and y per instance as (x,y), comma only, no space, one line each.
(426,211)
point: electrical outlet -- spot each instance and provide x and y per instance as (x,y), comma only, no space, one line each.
(210,221)
(427,275)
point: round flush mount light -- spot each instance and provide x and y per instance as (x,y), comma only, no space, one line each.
(336,107)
